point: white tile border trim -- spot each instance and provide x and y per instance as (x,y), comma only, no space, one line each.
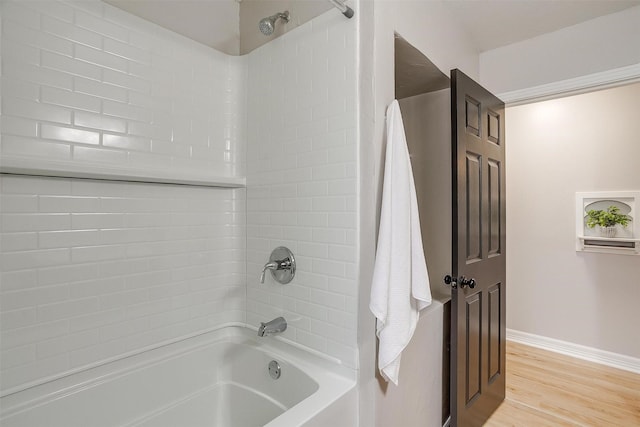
(601,80)
(44,167)
(591,354)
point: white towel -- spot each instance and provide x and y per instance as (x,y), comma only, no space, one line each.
(400,287)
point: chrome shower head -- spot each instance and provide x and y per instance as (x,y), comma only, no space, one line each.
(268,24)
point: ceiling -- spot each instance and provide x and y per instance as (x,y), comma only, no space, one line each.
(495,23)
(489,23)
(215,23)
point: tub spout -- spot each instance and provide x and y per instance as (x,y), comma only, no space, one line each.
(275,326)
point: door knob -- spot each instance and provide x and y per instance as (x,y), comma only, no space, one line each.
(471,283)
(448,280)
(463,281)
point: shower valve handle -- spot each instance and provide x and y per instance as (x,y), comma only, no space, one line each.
(282,265)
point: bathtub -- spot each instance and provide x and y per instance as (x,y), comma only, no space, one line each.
(218,379)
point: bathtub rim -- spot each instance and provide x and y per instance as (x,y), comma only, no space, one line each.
(336,378)
(133,353)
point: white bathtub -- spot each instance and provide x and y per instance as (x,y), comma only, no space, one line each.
(218,379)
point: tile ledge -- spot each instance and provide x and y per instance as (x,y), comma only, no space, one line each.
(62,169)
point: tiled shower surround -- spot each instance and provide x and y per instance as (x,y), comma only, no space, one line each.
(301,182)
(93,270)
(84,82)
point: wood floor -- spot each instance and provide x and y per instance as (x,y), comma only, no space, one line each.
(550,389)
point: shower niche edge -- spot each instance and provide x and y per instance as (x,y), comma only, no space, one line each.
(66,169)
(627,239)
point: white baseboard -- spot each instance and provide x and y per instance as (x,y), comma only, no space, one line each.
(591,354)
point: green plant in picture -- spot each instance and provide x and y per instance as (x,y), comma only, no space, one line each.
(608,218)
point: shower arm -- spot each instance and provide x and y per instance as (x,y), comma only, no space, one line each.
(346,10)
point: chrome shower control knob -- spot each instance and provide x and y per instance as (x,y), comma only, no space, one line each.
(282,265)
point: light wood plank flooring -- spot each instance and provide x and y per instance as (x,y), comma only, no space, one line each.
(546,389)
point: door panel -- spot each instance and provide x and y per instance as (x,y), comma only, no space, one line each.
(494,207)
(494,332)
(472,116)
(493,123)
(474,338)
(478,313)
(474,207)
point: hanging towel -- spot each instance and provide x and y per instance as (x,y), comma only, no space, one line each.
(400,287)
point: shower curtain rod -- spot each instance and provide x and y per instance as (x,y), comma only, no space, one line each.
(346,10)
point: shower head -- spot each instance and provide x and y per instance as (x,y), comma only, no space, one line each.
(268,24)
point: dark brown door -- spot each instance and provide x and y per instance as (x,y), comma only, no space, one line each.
(478,296)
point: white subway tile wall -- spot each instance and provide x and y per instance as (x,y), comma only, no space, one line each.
(301,183)
(92,270)
(86,83)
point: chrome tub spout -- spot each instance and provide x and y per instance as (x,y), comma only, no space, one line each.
(275,326)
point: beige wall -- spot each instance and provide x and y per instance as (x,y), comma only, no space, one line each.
(556,148)
(417,401)
(427,124)
(368,153)
(430,28)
